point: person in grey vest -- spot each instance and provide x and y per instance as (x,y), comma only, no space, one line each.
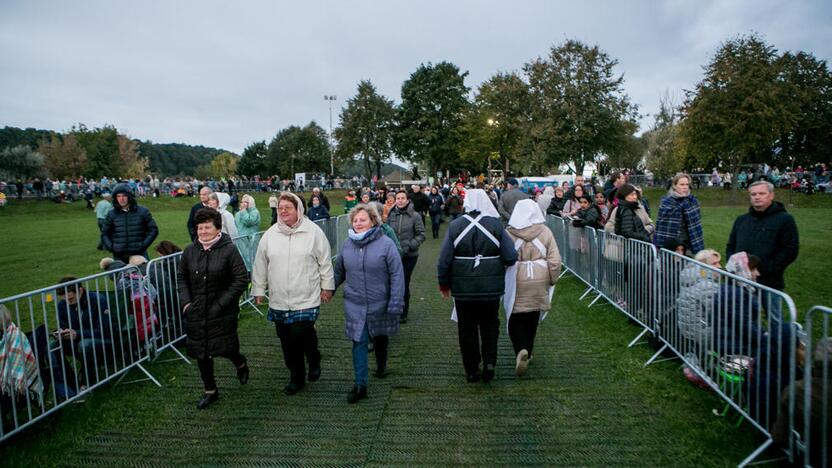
(472,265)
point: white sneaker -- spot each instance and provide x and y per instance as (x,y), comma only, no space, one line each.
(522,363)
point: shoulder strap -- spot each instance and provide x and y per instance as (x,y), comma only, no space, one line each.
(475,222)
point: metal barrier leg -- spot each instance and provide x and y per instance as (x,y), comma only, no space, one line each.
(141,368)
(755,453)
(636,339)
(655,356)
(586,292)
(595,300)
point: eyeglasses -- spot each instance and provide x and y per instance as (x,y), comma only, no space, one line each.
(286,208)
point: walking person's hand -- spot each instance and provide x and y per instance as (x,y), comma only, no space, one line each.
(259,300)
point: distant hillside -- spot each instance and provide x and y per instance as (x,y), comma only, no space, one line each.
(176,159)
(165,159)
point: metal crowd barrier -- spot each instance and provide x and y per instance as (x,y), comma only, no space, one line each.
(814,436)
(55,354)
(739,337)
(162,274)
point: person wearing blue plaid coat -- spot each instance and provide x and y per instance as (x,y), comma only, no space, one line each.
(680,217)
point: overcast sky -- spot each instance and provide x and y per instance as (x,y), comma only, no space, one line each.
(225,74)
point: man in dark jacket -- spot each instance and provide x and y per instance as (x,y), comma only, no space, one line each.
(129,228)
(509,198)
(768,232)
(84,324)
(420,201)
(472,267)
(204,192)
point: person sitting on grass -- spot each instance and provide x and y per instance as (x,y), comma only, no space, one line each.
(85,328)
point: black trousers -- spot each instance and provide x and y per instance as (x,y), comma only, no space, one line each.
(478,320)
(299,340)
(206,368)
(409,264)
(274,216)
(380,344)
(522,329)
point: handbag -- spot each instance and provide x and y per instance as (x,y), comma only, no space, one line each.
(614,248)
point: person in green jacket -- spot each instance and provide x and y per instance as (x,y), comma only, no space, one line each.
(101,209)
(247,220)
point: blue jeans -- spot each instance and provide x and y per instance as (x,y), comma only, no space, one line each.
(360,358)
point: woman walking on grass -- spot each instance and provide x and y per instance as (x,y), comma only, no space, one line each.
(212,277)
(370,265)
(530,283)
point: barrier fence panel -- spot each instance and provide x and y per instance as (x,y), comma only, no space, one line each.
(738,336)
(815,436)
(578,241)
(61,342)
(558,227)
(626,273)
(330,228)
(163,275)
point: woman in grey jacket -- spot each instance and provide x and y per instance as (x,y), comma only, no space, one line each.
(410,230)
(370,264)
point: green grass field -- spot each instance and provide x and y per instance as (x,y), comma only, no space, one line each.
(587,401)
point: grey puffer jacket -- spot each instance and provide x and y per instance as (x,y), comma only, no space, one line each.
(409,229)
(695,303)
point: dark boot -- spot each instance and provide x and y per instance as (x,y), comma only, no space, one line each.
(207,399)
(242,373)
(358,392)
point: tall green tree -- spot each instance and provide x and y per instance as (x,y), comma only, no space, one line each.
(579,107)
(739,109)
(295,149)
(495,126)
(808,138)
(253,162)
(429,118)
(102,149)
(366,129)
(662,153)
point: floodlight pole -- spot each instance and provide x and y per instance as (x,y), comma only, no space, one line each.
(331,153)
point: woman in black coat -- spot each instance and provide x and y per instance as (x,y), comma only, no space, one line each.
(212,277)
(627,222)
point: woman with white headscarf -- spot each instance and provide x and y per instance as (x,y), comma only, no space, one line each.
(219,201)
(531,281)
(472,266)
(293,264)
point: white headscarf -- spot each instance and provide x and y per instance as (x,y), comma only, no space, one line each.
(477,200)
(250,200)
(526,212)
(283,227)
(223,199)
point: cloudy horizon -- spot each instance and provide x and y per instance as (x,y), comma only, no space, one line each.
(226,75)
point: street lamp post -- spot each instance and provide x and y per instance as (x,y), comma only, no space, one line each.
(331,155)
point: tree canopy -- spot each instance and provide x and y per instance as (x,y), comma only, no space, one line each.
(579,108)
(429,118)
(366,129)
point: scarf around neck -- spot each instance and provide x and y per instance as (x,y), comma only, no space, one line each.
(210,243)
